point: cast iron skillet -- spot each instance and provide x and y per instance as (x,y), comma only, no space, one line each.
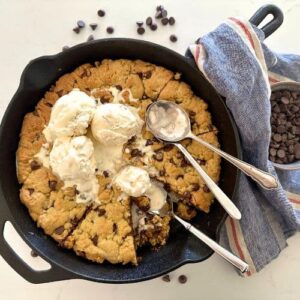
(182,247)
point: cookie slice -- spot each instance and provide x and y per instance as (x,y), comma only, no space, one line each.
(105,234)
(53,208)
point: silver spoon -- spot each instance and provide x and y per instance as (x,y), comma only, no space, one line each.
(174,113)
(167,119)
(167,209)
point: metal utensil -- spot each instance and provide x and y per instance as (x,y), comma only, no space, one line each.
(167,209)
(227,204)
(265,179)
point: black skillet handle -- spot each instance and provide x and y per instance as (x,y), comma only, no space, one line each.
(54,274)
(262,13)
(256,19)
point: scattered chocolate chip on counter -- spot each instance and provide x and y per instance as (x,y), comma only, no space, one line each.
(285,123)
(171,20)
(164,21)
(76,30)
(164,13)
(173,38)
(93,26)
(149,21)
(182,279)
(166,278)
(141,30)
(90,38)
(110,30)
(153,27)
(101,13)
(80,24)
(139,23)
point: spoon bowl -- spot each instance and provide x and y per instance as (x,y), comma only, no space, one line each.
(168,121)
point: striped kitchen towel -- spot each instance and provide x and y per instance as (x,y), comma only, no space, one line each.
(241,68)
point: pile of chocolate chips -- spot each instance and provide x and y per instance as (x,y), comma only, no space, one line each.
(285,122)
(160,14)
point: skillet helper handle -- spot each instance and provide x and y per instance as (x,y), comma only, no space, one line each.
(23,269)
(256,19)
(234,260)
(262,13)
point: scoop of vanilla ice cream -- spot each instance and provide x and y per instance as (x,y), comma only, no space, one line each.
(115,124)
(72,160)
(133,181)
(70,116)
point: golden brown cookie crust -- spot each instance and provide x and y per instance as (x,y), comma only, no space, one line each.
(84,228)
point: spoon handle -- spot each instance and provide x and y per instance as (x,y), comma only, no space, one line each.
(265,179)
(236,261)
(227,204)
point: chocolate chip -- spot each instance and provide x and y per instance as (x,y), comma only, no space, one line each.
(168,147)
(52,185)
(167,187)
(105,174)
(162,173)
(285,100)
(201,162)
(93,26)
(173,38)
(30,191)
(183,163)
(171,21)
(139,23)
(140,30)
(118,87)
(195,187)
(101,212)
(281,153)
(187,195)
(205,189)
(164,13)
(166,278)
(115,227)
(110,30)
(59,230)
(158,15)
(80,24)
(90,38)
(81,253)
(34,165)
(164,21)
(273,152)
(136,152)
(64,48)
(281,129)
(159,156)
(33,253)
(277,137)
(179,177)
(179,155)
(76,30)
(159,8)
(149,142)
(95,240)
(153,26)
(297,150)
(101,13)
(147,75)
(149,21)
(182,279)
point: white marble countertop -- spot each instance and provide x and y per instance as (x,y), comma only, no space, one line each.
(33,28)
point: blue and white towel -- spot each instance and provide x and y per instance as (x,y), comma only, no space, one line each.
(241,68)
